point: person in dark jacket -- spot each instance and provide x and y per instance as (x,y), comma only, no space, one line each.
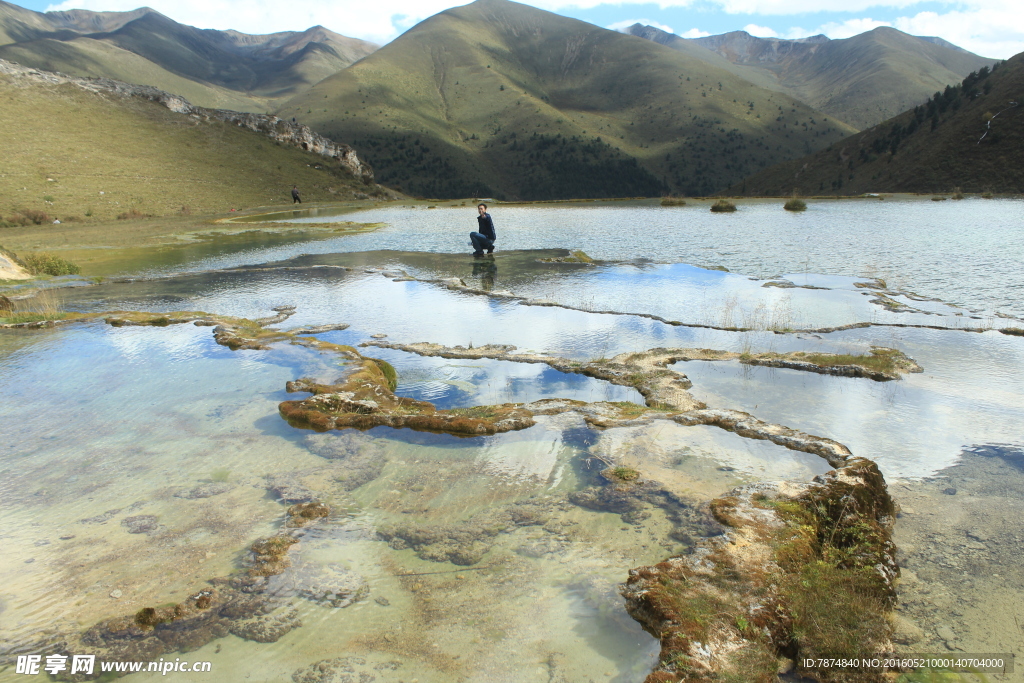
(485,237)
(295,195)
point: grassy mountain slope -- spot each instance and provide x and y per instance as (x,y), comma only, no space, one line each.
(146,47)
(969,136)
(862,80)
(71,152)
(18,23)
(498,98)
(92,58)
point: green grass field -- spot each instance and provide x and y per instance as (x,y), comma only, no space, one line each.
(78,157)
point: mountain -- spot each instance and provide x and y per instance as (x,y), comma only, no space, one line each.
(211,68)
(969,136)
(501,99)
(862,80)
(73,147)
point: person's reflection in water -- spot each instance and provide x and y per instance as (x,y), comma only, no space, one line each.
(486,270)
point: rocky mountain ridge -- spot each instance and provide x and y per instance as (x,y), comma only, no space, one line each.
(862,80)
(214,68)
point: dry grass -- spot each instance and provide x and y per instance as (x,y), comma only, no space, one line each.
(46,305)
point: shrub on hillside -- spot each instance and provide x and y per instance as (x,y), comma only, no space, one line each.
(25,218)
(37,217)
(723,206)
(49,264)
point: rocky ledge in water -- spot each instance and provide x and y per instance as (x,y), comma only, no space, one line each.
(365,399)
(803,571)
(459,285)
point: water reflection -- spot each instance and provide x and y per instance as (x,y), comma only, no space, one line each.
(141,462)
(911,244)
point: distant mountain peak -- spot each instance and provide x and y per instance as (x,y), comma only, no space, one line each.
(219,69)
(87,21)
(861,80)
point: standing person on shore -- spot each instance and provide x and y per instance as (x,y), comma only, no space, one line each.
(485,237)
(296,199)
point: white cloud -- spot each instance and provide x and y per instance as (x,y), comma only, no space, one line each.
(783,7)
(796,32)
(695,33)
(626,23)
(996,31)
(760,31)
(850,27)
(990,32)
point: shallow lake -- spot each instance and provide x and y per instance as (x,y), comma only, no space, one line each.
(141,462)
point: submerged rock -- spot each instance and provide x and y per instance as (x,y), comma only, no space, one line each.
(361,458)
(330,585)
(270,555)
(101,519)
(140,524)
(342,670)
(267,628)
(154,631)
(287,489)
(249,605)
(204,490)
(466,543)
(304,513)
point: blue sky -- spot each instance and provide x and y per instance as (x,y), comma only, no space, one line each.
(994,28)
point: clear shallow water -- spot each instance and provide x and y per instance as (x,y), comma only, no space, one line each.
(965,252)
(136,415)
(969,393)
(121,419)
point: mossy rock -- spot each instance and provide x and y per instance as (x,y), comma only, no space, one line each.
(621,474)
(389,372)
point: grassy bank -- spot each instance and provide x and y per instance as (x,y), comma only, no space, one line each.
(102,248)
